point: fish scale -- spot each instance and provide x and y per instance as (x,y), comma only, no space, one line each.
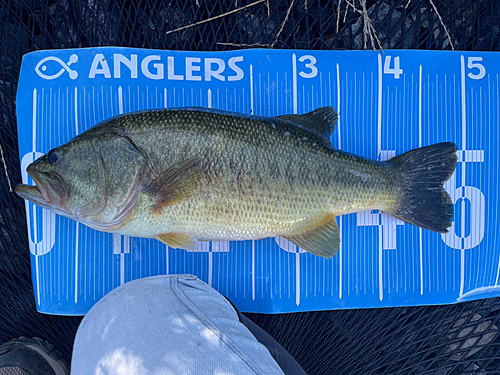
(303,192)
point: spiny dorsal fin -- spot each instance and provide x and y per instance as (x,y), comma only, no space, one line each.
(323,240)
(176,184)
(321,121)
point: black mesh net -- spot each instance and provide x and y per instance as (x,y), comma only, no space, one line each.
(453,339)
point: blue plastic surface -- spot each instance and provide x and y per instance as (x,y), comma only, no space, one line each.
(388,103)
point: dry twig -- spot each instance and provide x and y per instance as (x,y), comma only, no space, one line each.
(243,44)
(338,15)
(368,28)
(5,168)
(214,18)
(442,23)
(283,23)
(339,12)
(345,13)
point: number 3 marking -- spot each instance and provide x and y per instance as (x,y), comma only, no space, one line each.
(310,65)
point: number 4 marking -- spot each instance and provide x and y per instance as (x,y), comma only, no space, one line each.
(397,71)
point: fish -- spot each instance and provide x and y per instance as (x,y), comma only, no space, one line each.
(183,175)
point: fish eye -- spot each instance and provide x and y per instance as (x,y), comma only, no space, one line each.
(53,157)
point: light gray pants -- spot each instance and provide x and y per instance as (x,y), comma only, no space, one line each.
(167,325)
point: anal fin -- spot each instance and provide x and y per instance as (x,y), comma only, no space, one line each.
(178,241)
(322,240)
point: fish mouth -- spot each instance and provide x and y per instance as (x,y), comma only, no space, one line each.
(32,193)
(49,191)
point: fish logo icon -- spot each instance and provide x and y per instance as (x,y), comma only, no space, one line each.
(41,67)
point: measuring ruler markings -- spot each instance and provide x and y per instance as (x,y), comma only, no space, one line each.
(305,96)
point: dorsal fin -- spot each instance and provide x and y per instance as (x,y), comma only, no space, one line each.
(321,121)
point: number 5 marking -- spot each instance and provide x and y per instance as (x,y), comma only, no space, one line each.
(471,63)
(310,65)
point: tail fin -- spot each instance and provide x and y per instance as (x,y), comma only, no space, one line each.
(422,173)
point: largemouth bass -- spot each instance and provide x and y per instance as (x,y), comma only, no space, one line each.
(182,175)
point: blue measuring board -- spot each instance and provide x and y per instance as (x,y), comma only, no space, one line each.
(389,103)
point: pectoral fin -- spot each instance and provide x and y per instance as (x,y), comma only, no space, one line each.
(178,241)
(323,240)
(176,184)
